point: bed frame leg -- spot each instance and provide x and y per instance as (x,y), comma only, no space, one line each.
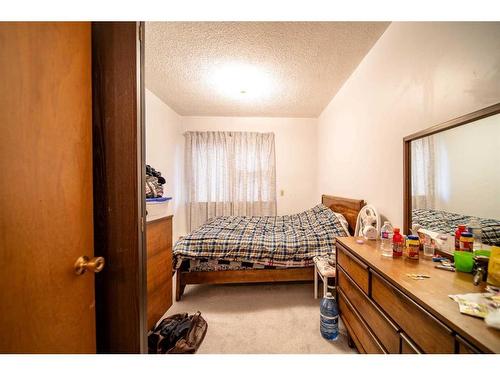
(179,285)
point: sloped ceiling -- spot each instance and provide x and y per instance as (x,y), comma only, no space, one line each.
(305,64)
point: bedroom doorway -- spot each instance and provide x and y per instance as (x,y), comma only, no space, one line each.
(217,148)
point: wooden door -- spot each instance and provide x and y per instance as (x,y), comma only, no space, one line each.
(45,188)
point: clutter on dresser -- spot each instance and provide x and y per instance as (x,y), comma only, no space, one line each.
(479,304)
(427,242)
(494,267)
(446,267)
(397,244)
(458,234)
(493,319)
(466,257)
(444,264)
(474,227)
(429,249)
(418,276)
(463,261)
(480,269)
(412,248)
(466,241)
(386,234)
(178,334)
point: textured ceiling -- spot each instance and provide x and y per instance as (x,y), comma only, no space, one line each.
(304,63)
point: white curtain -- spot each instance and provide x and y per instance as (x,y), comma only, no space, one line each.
(229,174)
(423,173)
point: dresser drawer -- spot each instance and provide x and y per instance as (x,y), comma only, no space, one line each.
(159,268)
(357,328)
(159,236)
(427,332)
(408,346)
(355,268)
(466,348)
(381,326)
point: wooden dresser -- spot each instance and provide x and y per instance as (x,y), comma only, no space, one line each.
(385,311)
(159,263)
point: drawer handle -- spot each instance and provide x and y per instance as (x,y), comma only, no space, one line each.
(352,257)
(368,299)
(416,305)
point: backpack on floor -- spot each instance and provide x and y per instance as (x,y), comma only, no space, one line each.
(177,334)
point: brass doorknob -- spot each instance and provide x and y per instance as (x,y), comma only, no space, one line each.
(84,263)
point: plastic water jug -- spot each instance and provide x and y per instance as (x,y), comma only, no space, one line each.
(329,318)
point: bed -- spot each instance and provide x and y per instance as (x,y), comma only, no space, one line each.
(231,250)
(447,222)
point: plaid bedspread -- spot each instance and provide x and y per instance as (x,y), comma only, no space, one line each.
(289,241)
(447,222)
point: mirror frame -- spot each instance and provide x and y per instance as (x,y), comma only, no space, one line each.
(471,117)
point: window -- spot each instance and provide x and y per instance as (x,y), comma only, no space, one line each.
(230,173)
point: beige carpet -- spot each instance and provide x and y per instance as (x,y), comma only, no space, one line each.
(259,318)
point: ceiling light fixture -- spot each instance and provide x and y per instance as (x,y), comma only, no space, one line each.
(241,81)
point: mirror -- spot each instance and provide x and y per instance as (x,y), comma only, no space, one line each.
(452,177)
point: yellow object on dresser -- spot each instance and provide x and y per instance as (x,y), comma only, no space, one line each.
(494,267)
(386,311)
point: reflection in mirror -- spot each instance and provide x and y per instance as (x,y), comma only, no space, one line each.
(455,179)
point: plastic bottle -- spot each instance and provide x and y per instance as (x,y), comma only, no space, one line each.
(397,244)
(412,247)
(474,227)
(466,242)
(458,233)
(386,234)
(329,318)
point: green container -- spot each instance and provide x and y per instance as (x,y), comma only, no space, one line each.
(484,253)
(463,261)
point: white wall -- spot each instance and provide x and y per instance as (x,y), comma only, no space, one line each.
(295,140)
(467,169)
(416,75)
(165,152)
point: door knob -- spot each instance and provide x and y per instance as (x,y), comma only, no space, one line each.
(84,263)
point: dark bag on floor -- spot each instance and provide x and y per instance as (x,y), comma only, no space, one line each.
(177,334)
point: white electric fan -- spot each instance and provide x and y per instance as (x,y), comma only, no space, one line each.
(368,223)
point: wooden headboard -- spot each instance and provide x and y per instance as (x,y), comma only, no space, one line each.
(348,207)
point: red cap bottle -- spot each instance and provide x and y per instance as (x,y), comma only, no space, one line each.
(458,233)
(397,244)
